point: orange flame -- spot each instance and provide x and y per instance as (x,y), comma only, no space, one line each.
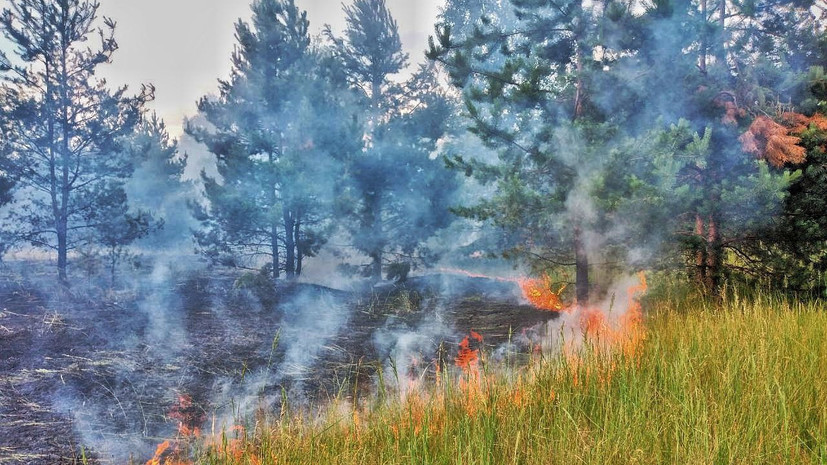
(156,459)
(632,321)
(595,323)
(468,356)
(538,292)
(188,416)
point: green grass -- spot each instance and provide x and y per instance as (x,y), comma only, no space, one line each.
(740,381)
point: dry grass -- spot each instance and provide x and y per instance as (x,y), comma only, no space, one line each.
(741,381)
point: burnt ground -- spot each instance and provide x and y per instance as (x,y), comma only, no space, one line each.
(109,374)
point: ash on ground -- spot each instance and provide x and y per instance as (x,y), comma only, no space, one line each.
(108,375)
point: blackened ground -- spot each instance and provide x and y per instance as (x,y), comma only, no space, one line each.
(109,374)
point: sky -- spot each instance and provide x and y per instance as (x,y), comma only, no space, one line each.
(183,46)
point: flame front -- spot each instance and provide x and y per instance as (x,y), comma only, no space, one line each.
(626,330)
(188,416)
(538,292)
(159,451)
(468,356)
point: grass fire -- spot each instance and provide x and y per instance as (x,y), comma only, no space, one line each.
(394,232)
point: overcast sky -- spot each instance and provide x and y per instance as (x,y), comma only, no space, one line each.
(183,46)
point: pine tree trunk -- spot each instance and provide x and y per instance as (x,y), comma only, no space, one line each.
(704,41)
(289,244)
(714,251)
(581,259)
(581,269)
(376,265)
(374,221)
(713,257)
(700,252)
(274,248)
(274,225)
(299,251)
(373,198)
(113,263)
(65,188)
(62,255)
(63,216)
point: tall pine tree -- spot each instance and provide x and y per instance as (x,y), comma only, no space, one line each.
(397,194)
(157,184)
(277,128)
(66,127)
(542,90)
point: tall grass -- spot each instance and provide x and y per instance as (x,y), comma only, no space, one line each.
(738,381)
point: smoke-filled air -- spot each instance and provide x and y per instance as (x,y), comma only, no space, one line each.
(567,231)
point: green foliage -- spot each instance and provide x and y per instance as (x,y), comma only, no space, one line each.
(260,284)
(156,184)
(791,252)
(619,126)
(398,271)
(396,194)
(279,129)
(65,129)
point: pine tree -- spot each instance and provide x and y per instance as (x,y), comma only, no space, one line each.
(397,195)
(716,171)
(157,185)
(277,128)
(542,91)
(66,127)
(791,251)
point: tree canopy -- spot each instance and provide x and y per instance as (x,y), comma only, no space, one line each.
(65,130)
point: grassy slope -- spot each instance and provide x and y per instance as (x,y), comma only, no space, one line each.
(744,382)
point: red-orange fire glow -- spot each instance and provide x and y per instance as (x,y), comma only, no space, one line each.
(593,322)
(626,332)
(469,353)
(538,292)
(188,416)
(159,451)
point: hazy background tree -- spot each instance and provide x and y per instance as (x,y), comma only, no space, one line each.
(276,129)
(116,227)
(67,127)
(157,185)
(467,17)
(396,194)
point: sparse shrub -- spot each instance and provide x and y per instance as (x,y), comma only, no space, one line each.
(260,284)
(398,271)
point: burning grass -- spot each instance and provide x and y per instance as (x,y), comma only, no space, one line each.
(739,382)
